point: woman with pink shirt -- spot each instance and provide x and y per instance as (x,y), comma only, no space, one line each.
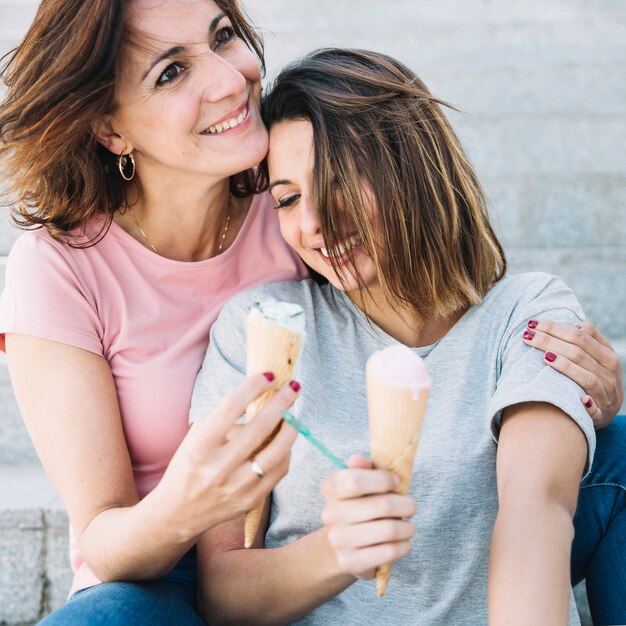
(130,133)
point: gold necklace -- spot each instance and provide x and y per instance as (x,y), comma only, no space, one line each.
(142,231)
(219,250)
(149,241)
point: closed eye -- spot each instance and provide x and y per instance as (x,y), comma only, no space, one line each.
(284,203)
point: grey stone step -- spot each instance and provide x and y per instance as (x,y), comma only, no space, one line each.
(551,212)
(15,446)
(596,275)
(417,37)
(35,574)
(16,17)
(8,235)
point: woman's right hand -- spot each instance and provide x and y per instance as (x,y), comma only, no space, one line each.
(583,354)
(210,478)
(365,521)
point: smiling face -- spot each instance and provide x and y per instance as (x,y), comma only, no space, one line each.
(188,95)
(291,162)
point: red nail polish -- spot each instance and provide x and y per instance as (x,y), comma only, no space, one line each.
(295,385)
(528,334)
(532,323)
(588,403)
(270,377)
(550,357)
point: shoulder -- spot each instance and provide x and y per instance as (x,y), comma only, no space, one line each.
(39,258)
(296,291)
(532,292)
(529,284)
(32,240)
(36,250)
(38,242)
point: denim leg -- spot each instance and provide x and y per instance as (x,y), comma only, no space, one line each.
(153,603)
(599,548)
(170,600)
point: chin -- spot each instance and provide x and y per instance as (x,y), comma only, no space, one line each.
(258,153)
(348,284)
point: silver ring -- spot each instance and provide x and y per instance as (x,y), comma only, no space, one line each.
(256,468)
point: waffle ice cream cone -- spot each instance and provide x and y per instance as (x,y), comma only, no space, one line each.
(397,393)
(275,336)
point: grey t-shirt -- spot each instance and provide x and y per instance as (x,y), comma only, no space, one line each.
(478,368)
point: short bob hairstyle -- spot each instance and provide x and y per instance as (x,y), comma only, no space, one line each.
(61,80)
(376,126)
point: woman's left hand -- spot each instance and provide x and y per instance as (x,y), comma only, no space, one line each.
(584,355)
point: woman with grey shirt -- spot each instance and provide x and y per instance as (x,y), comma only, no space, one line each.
(375,194)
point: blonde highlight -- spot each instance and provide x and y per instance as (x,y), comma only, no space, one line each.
(376,125)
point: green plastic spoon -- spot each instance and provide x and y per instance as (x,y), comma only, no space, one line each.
(298,426)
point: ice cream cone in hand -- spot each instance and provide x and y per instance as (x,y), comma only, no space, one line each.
(275,336)
(397,393)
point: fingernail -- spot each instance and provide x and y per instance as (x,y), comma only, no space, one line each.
(295,385)
(528,334)
(550,357)
(396,480)
(269,376)
(588,403)
(532,323)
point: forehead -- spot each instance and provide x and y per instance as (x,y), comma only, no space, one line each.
(291,150)
(171,21)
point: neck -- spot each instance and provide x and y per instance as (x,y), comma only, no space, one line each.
(185,224)
(399,321)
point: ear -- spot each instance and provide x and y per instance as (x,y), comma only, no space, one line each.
(114,142)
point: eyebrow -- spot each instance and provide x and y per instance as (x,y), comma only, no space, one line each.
(175,50)
(275,183)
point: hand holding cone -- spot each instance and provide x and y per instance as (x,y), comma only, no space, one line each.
(275,335)
(397,393)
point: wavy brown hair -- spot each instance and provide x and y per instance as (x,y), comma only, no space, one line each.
(60,80)
(375,122)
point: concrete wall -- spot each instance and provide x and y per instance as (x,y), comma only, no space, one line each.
(542,89)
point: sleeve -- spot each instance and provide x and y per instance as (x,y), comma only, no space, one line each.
(224,364)
(524,377)
(45,297)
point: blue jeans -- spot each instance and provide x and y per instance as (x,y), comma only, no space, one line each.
(168,601)
(599,549)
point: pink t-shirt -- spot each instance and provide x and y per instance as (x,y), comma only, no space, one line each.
(147,315)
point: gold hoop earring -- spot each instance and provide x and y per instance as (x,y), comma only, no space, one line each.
(122,165)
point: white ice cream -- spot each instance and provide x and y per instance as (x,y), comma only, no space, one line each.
(286,314)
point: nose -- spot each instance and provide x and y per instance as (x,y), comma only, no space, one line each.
(223,79)
(309,220)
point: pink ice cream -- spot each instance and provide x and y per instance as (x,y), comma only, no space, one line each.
(399,366)
(398,386)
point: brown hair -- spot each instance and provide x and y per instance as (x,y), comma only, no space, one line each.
(374,121)
(61,79)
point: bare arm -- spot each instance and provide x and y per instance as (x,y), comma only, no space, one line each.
(541,457)
(584,355)
(68,400)
(278,586)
